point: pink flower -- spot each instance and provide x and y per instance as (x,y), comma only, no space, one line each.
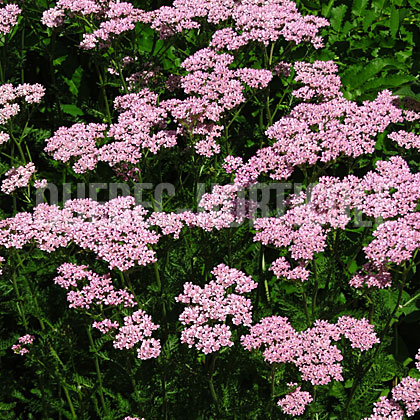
(17,178)
(295,402)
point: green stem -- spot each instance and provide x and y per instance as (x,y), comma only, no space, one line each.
(98,372)
(372,360)
(105,98)
(66,392)
(211,384)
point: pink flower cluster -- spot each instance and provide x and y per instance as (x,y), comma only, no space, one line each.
(372,275)
(138,327)
(213,88)
(8,17)
(296,401)
(116,231)
(17,178)
(115,18)
(406,391)
(320,131)
(311,350)
(98,290)
(209,307)
(8,94)
(78,141)
(253,20)
(1,263)
(24,340)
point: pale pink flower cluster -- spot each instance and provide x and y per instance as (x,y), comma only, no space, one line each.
(311,351)
(386,409)
(40,183)
(78,141)
(119,17)
(17,178)
(320,131)
(405,139)
(4,137)
(8,94)
(281,268)
(137,328)
(209,307)
(24,340)
(8,17)
(408,392)
(133,418)
(98,290)
(320,80)
(395,240)
(296,401)
(115,17)
(139,116)
(1,263)
(116,231)
(213,89)
(253,20)
(105,326)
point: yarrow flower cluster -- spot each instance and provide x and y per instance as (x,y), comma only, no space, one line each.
(8,17)
(9,94)
(99,290)
(17,178)
(137,328)
(311,351)
(209,307)
(115,18)
(296,401)
(24,340)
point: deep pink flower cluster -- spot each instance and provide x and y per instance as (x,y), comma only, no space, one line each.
(372,275)
(17,178)
(98,290)
(296,401)
(137,328)
(24,340)
(311,350)
(8,94)
(209,307)
(8,17)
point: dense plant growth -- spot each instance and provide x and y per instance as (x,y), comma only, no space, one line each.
(209,209)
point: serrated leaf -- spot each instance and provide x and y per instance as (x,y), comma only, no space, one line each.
(394,22)
(337,16)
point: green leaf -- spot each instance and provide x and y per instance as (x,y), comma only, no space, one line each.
(337,16)
(71,109)
(394,21)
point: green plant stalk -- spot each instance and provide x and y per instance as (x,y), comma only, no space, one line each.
(98,372)
(211,384)
(105,98)
(372,360)
(68,398)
